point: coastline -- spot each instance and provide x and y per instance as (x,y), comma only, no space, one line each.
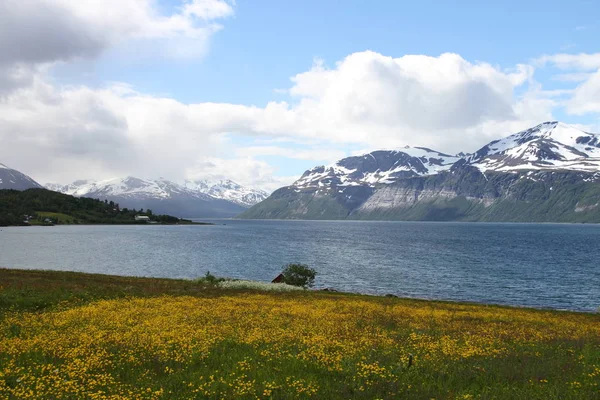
(63,276)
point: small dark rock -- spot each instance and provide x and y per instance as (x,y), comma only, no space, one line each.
(391,295)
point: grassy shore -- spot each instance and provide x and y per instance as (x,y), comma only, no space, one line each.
(77,336)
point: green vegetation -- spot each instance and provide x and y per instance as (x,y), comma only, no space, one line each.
(67,335)
(299,275)
(43,207)
(210,279)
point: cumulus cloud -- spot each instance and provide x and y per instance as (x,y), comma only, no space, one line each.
(586,98)
(367,99)
(38,32)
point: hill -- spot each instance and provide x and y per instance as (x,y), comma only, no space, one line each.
(34,206)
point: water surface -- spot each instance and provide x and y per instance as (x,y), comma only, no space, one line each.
(538,265)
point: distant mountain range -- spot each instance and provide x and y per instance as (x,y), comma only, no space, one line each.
(199,198)
(550,172)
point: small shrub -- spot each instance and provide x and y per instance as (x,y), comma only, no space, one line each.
(299,275)
(210,279)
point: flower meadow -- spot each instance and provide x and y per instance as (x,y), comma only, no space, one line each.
(225,344)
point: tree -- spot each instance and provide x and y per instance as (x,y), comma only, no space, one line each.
(299,275)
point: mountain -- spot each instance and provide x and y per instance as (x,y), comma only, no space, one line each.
(549,146)
(227,190)
(378,167)
(164,197)
(13,179)
(550,172)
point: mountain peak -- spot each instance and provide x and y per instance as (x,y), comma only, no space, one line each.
(13,179)
(378,167)
(227,189)
(549,145)
(553,130)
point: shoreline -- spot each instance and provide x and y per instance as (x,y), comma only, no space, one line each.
(156,335)
(119,224)
(325,291)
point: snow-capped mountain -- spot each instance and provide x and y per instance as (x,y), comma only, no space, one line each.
(13,179)
(548,173)
(551,145)
(227,190)
(192,199)
(378,167)
(128,187)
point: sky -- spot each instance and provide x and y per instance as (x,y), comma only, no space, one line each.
(259,91)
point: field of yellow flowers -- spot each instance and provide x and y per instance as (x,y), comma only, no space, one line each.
(75,336)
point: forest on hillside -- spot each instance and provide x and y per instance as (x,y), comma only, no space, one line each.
(34,206)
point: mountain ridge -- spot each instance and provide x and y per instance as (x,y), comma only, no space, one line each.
(491,184)
(201,199)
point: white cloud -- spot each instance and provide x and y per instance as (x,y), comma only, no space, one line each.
(367,100)
(581,61)
(326,155)
(583,69)
(38,32)
(586,98)
(246,171)
(207,9)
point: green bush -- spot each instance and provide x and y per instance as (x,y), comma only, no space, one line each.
(209,279)
(299,275)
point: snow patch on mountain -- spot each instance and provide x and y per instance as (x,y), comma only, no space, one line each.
(378,167)
(547,146)
(550,145)
(162,189)
(227,190)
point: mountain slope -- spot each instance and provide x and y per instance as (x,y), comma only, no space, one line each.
(546,173)
(13,179)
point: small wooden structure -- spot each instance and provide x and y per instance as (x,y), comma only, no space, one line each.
(279,279)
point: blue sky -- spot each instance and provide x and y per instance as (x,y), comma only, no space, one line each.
(278,70)
(267,42)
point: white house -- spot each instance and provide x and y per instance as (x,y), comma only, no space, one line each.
(143,218)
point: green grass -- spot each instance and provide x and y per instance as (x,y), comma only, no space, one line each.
(73,335)
(60,217)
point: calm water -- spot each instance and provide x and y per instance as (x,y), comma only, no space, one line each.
(539,265)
